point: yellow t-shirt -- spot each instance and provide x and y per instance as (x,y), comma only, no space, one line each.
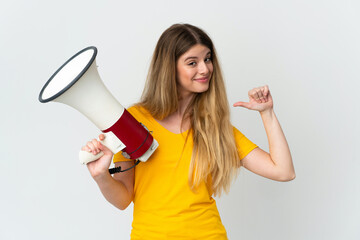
(164,205)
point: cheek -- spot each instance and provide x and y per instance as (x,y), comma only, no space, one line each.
(184,76)
(211,68)
(181,78)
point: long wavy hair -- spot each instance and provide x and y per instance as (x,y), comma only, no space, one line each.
(214,150)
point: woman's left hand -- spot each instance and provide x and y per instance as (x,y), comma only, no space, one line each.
(259,99)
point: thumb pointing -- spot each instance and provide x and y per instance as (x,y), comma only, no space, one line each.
(242,104)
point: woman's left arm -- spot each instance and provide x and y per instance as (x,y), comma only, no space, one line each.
(276,165)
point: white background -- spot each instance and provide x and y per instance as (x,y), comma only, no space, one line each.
(306,51)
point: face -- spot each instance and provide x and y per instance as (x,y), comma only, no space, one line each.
(194,70)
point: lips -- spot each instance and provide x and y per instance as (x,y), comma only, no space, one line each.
(202,80)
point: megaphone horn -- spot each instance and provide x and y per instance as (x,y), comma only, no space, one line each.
(77,84)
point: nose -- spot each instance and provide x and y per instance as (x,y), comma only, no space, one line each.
(203,68)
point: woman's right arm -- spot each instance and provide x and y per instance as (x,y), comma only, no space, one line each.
(118,190)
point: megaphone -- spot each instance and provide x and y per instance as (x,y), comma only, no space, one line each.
(77,84)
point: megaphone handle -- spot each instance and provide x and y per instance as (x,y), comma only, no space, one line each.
(86,157)
(110,141)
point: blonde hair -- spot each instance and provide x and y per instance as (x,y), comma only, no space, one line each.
(214,150)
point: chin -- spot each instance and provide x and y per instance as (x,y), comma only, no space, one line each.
(202,90)
(203,87)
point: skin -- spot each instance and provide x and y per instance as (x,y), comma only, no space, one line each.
(194,69)
(276,165)
(118,190)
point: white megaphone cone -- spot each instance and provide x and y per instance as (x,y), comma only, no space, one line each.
(77,83)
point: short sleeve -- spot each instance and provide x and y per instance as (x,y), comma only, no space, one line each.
(118,157)
(244,145)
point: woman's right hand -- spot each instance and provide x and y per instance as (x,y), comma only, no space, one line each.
(100,166)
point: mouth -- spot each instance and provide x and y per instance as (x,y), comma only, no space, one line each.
(202,80)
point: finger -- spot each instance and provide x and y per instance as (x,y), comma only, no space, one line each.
(242,104)
(256,96)
(101,137)
(85,148)
(261,95)
(90,146)
(253,94)
(95,143)
(104,149)
(266,92)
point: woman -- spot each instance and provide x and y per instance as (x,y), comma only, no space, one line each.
(184,105)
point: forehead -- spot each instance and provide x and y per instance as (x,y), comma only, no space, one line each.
(196,51)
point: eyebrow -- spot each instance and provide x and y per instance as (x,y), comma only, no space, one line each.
(191,57)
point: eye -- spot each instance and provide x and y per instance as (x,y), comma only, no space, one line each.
(192,63)
(208,59)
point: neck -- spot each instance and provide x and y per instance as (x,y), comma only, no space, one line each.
(174,122)
(184,102)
